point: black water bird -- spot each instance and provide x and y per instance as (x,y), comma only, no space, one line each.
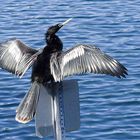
(51,64)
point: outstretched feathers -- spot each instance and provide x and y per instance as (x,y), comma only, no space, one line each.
(16,58)
(85,59)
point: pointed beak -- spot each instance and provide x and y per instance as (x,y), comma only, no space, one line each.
(68,20)
(65,22)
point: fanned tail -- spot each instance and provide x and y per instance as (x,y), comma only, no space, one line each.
(27,108)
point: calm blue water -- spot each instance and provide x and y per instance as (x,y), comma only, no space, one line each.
(110,107)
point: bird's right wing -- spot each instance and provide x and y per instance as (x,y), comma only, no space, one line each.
(85,59)
(16,57)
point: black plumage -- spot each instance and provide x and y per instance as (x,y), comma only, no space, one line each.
(51,64)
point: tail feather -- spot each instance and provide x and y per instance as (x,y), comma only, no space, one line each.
(27,108)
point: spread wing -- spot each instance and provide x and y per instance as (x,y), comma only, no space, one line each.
(16,57)
(85,59)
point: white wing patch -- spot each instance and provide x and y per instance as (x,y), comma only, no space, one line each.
(79,51)
(14,51)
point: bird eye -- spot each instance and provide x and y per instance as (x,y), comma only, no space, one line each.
(59,25)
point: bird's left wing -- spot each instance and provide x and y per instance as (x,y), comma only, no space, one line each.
(85,59)
(16,57)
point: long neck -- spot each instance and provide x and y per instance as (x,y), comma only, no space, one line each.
(54,44)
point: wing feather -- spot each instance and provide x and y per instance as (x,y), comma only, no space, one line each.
(87,59)
(16,57)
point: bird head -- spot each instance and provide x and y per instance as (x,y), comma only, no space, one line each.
(54,29)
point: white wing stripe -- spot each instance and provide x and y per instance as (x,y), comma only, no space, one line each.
(14,51)
(73,54)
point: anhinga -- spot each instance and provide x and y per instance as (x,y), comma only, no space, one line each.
(51,64)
